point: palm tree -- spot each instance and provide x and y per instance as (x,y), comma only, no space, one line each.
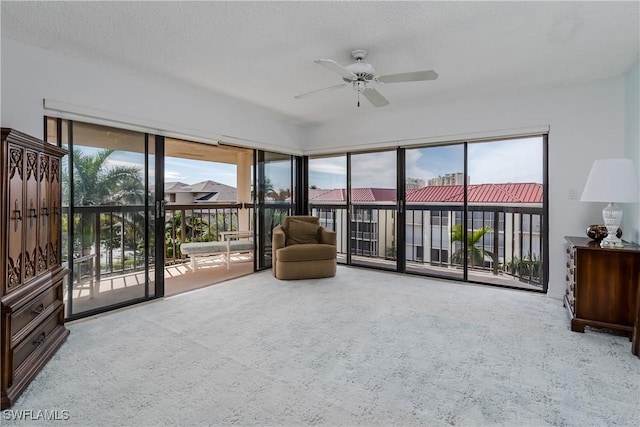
(195,227)
(96,183)
(475,255)
(269,190)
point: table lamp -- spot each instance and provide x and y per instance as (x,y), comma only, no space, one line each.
(613,181)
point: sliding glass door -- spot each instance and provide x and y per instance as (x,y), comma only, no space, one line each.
(109,216)
(506,212)
(273,199)
(373,209)
(435,193)
(473,211)
(476,212)
(328,197)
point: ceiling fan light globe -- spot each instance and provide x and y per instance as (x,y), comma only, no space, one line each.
(360,85)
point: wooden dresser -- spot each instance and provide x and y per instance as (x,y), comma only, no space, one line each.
(30,248)
(602,286)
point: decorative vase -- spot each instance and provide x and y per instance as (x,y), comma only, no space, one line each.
(599,232)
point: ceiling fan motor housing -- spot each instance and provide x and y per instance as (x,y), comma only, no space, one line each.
(364,72)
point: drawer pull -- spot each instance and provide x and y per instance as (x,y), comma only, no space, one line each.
(39,309)
(40,339)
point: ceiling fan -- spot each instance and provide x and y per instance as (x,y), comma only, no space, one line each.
(362,76)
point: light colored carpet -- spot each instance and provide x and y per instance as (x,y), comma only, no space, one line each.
(364,348)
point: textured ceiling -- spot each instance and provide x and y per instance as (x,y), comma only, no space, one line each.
(263,52)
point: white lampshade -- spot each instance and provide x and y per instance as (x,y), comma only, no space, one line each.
(611,180)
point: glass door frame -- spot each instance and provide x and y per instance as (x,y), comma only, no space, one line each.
(297,201)
(148,207)
(351,211)
(158,213)
(466,209)
(401,214)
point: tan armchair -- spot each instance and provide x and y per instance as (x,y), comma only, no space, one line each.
(303,250)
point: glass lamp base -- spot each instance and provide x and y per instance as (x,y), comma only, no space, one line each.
(612,243)
(612,216)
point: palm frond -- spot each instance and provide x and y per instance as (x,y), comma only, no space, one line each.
(476,256)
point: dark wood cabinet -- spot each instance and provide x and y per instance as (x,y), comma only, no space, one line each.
(31,292)
(602,285)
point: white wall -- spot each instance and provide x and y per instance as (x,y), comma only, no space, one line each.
(631,215)
(586,122)
(30,74)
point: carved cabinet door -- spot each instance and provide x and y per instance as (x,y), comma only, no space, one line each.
(54,211)
(44,202)
(15,206)
(31,220)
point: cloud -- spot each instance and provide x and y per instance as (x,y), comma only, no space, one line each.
(172,175)
(328,172)
(413,168)
(329,165)
(506,161)
(429,162)
(377,170)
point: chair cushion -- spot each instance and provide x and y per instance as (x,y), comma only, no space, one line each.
(301,232)
(306,252)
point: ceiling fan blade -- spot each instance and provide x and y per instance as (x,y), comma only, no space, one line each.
(336,68)
(414,76)
(313,92)
(375,98)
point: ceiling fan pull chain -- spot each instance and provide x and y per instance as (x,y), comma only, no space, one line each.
(358,99)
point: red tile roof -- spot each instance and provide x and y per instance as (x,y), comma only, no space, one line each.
(335,195)
(357,195)
(523,192)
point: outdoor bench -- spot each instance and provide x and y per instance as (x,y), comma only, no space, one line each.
(226,247)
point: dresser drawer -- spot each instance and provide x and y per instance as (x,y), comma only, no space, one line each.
(38,339)
(36,310)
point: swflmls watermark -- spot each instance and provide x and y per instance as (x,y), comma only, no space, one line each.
(35,415)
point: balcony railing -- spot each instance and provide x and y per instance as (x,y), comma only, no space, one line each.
(511,243)
(511,246)
(113,238)
(197,223)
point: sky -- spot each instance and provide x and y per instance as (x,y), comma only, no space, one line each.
(192,171)
(490,162)
(175,169)
(515,160)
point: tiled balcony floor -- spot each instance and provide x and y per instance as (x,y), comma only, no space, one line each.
(177,278)
(482,276)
